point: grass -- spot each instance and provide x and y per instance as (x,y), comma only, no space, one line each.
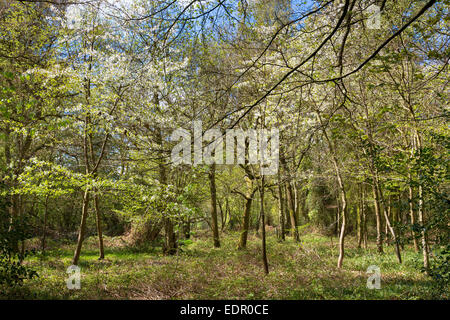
(200,271)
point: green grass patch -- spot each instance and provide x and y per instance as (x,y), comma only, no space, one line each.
(199,271)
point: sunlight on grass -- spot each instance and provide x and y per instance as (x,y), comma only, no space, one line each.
(306,271)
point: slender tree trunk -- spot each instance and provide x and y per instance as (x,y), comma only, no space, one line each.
(85,205)
(417,146)
(14,216)
(222,215)
(225,215)
(215,226)
(258,224)
(12,207)
(170,241)
(22,248)
(359,224)
(386,228)
(426,263)
(287,220)
(344,217)
(360,216)
(82,229)
(245,223)
(296,202)
(337,228)
(187,229)
(44,227)
(412,217)
(388,224)
(292,215)
(397,220)
(246,218)
(99,227)
(281,209)
(264,253)
(378,194)
(364,217)
(342,193)
(377,217)
(290,198)
(170,246)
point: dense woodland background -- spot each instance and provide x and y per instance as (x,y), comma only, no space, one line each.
(90,91)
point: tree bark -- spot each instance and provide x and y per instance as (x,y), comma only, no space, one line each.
(44,227)
(281,209)
(377,217)
(264,252)
(246,218)
(292,215)
(388,224)
(364,218)
(187,229)
(99,228)
(215,226)
(342,193)
(412,217)
(245,224)
(359,224)
(170,241)
(222,215)
(82,230)
(426,262)
(344,215)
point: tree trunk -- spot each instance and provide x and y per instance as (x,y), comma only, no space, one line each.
(281,209)
(222,215)
(417,146)
(245,223)
(264,253)
(413,218)
(292,215)
(170,243)
(359,224)
(337,225)
(377,217)
(44,227)
(187,229)
(296,202)
(215,226)
(287,220)
(426,263)
(364,218)
(14,216)
(344,217)
(342,193)
(82,230)
(99,228)
(226,214)
(386,227)
(246,218)
(257,224)
(388,224)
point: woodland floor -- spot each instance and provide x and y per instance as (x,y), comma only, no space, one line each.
(202,272)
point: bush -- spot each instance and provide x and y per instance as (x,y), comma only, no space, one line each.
(440,272)
(12,271)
